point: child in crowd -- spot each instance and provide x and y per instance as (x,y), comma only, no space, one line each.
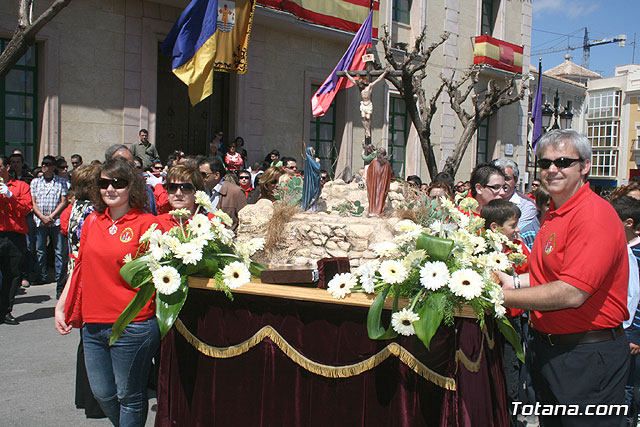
(502,216)
(628,210)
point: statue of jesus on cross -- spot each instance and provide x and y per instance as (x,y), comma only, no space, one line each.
(366,106)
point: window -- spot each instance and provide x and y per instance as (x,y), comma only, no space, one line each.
(604,163)
(402,10)
(322,136)
(603,133)
(488,18)
(18,111)
(483,142)
(602,104)
(398,133)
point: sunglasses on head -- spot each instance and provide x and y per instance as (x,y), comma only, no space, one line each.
(185,187)
(117,183)
(560,162)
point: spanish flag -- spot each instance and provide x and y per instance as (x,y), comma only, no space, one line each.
(209,35)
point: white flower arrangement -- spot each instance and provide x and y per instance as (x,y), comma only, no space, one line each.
(197,245)
(439,265)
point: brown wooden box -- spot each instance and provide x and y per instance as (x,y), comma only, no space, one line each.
(289,275)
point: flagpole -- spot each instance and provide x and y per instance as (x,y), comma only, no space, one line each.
(535,156)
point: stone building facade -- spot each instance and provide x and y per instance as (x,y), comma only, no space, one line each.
(96,77)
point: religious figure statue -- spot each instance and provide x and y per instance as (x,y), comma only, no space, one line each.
(368,154)
(311,184)
(379,176)
(366,106)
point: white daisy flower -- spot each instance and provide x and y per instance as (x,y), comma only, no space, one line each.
(203,200)
(479,244)
(255,245)
(414,258)
(147,234)
(500,310)
(496,296)
(434,275)
(235,275)
(341,285)
(226,219)
(158,251)
(367,273)
(155,237)
(127,258)
(200,225)
(476,224)
(408,226)
(226,235)
(189,253)
(170,242)
(402,321)
(392,271)
(447,204)
(498,261)
(180,212)
(166,280)
(385,249)
(466,283)
(468,204)
(517,258)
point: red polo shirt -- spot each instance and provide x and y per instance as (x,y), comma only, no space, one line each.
(104,292)
(14,210)
(582,243)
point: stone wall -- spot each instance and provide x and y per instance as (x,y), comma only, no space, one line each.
(310,236)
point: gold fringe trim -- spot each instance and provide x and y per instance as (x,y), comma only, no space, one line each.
(329,371)
(470,365)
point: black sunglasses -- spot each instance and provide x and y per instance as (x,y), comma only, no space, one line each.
(535,185)
(497,187)
(560,162)
(47,164)
(75,163)
(185,187)
(243,177)
(117,183)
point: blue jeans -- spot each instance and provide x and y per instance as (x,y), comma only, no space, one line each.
(118,374)
(59,242)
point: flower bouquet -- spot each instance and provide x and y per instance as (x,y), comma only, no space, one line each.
(438,265)
(200,245)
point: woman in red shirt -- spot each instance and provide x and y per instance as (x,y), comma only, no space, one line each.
(182,183)
(118,374)
(233,160)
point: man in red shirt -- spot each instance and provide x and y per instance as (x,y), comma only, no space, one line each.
(577,292)
(15,204)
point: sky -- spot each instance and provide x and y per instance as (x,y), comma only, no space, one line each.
(603,18)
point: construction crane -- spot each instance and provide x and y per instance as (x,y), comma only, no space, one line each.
(585,46)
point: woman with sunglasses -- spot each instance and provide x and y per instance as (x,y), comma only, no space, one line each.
(269,183)
(118,374)
(182,183)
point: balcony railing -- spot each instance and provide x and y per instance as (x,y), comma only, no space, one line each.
(498,54)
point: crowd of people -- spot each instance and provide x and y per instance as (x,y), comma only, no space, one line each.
(574,302)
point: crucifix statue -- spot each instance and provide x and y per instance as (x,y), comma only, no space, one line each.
(366,106)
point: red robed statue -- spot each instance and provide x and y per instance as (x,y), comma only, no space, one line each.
(379,176)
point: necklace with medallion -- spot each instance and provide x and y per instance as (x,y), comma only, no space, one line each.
(114,227)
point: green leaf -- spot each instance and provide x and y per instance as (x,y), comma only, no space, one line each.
(131,311)
(136,272)
(205,267)
(168,306)
(431,315)
(255,268)
(374,321)
(511,335)
(437,247)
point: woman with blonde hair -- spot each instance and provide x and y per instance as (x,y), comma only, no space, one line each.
(269,183)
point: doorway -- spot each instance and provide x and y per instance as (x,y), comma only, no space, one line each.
(180,126)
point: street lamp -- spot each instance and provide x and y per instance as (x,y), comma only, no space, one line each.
(547,115)
(565,118)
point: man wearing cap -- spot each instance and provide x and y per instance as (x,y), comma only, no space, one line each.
(576,291)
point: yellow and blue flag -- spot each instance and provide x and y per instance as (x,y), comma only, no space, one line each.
(209,35)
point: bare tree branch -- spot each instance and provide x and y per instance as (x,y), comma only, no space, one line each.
(26,31)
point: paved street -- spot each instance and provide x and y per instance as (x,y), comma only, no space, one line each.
(38,375)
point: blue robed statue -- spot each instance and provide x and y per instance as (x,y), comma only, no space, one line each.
(311,182)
